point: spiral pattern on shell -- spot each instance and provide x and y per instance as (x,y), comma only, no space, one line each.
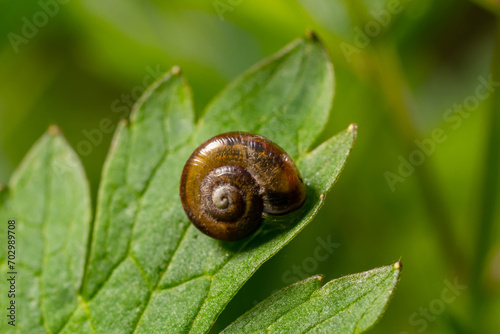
(232,178)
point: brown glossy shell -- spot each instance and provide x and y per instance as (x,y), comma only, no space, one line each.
(232,178)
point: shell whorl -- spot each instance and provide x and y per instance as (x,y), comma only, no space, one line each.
(232,178)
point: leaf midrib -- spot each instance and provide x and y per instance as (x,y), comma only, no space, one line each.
(353,302)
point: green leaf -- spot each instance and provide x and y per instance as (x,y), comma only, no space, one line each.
(286,98)
(142,235)
(49,199)
(148,268)
(351,304)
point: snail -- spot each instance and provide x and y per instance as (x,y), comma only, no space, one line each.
(232,179)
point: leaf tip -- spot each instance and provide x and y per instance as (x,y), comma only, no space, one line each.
(397,266)
(176,70)
(310,34)
(54,130)
(353,128)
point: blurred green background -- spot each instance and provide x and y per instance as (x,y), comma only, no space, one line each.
(400,66)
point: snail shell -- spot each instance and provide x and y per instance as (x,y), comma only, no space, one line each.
(232,178)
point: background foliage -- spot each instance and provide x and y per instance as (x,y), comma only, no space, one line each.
(85,64)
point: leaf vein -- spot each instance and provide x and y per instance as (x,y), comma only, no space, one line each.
(351,303)
(183,235)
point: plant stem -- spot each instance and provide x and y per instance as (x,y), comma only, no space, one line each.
(489,195)
(390,77)
(393,85)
